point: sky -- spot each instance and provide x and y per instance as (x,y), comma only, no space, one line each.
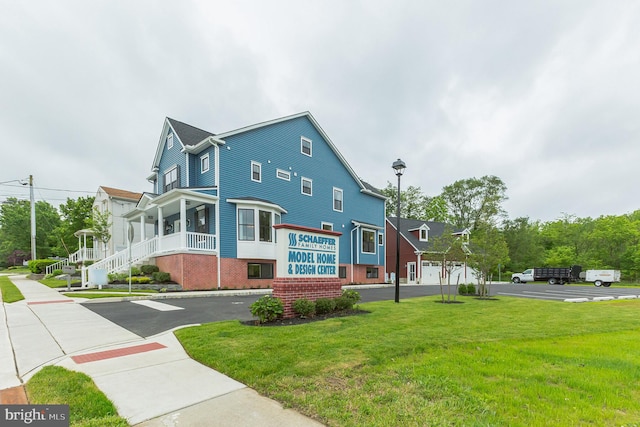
(543,94)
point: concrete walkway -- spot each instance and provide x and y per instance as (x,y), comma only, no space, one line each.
(152,381)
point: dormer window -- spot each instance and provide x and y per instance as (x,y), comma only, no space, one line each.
(424,235)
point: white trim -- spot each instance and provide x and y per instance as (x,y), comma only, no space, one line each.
(370,230)
(302,180)
(260,171)
(323,223)
(170,141)
(302,144)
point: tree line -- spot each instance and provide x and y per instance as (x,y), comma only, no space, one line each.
(474,204)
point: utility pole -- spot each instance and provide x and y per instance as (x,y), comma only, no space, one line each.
(33,219)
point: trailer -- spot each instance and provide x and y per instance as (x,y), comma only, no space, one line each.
(602,277)
(551,275)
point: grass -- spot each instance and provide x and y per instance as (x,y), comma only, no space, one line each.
(57,283)
(10,292)
(88,406)
(16,270)
(99,294)
(515,362)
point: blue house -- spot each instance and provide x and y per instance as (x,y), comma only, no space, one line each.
(216,198)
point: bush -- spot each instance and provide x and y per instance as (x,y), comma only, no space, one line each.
(161,277)
(352,295)
(135,271)
(471,289)
(325,305)
(149,269)
(343,303)
(38,266)
(304,307)
(141,280)
(267,308)
(462,289)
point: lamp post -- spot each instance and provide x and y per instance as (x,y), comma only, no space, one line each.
(399,166)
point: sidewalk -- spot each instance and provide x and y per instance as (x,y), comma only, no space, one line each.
(152,381)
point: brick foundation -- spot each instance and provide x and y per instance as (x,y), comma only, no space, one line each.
(192,271)
(289,289)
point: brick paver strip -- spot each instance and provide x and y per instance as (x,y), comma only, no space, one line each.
(13,396)
(50,302)
(110,354)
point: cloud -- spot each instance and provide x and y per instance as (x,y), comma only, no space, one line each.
(543,95)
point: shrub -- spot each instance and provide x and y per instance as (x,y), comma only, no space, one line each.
(304,307)
(56,272)
(161,277)
(149,269)
(325,305)
(267,308)
(38,266)
(352,295)
(343,303)
(141,280)
(462,289)
(471,289)
(135,271)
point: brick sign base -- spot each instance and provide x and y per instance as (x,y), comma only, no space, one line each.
(289,289)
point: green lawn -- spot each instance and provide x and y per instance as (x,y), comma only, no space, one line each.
(10,293)
(88,406)
(506,362)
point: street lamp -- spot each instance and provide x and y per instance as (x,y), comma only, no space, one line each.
(399,166)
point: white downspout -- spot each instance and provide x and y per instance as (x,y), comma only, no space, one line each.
(217,180)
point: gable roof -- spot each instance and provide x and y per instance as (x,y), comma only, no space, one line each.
(121,194)
(192,137)
(436,229)
(187,134)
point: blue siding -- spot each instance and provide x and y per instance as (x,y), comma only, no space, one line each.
(278,147)
(199,179)
(168,159)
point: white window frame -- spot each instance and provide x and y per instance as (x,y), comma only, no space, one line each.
(204,163)
(380,239)
(424,234)
(304,140)
(259,165)
(170,172)
(302,181)
(169,141)
(368,230)
(337,190)
(324,224)
(283,174)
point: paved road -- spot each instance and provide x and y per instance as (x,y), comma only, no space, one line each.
(149,317)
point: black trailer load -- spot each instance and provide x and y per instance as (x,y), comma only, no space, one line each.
(551,275)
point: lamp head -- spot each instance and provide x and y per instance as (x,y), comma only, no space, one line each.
(399,166)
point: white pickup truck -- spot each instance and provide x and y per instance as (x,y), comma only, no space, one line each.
(602,277)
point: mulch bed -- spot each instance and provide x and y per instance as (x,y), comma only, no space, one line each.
(301,321)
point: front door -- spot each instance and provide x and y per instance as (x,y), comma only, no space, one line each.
(411,272)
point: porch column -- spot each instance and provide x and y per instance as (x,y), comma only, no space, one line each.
(183,222)
(143,230)
(160,228)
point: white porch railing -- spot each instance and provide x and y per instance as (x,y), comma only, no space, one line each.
(83,254)
(154,247)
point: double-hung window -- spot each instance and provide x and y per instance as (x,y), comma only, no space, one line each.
(337,199)
(306,146)
(256,172)
(246,225)
(306,186)
(171,179)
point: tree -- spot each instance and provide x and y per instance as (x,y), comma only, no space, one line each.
(475,201)
(452,251)
(101,226)
(76,215)
(15,227)
(488,250)
(524,242)
(412,202)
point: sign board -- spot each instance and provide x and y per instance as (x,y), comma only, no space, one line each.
(68,269)
(307,252)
